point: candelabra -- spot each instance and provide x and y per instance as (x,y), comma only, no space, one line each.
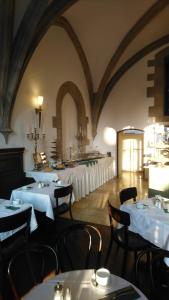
(35,136)
(81,139)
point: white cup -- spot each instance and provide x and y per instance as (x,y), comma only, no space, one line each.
(139,205)
(102,276)
(59,182)
(16,202)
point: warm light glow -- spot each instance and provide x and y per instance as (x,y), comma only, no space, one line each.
(132,155)
(39,101)
(109,136)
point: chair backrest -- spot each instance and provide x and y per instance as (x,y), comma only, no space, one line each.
(119,216)
(79,247)
(13,222)
(30,266)
(155,274)
(63,192)
(127,194)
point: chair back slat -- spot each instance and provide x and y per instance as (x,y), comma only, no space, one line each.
(127,194)
(32,264)
(14,221)
(119,216)
(79,242)
(61,192)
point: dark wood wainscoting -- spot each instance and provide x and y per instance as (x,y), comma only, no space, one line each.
(11,170)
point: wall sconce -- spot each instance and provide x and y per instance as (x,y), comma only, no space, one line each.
(38,109)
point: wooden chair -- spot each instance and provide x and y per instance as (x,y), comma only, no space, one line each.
(153,277)
(65,191)
(123,237)
(127,194)
(13,223)
(79,246)
(13,243)
(30,266)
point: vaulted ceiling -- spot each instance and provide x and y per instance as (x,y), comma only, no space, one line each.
(123,31)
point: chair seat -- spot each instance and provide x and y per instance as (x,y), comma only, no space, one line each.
(135,241)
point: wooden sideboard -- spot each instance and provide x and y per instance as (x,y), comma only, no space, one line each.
(11,170)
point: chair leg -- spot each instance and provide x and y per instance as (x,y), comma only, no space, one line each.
(124,263)
(71,216)
(108,251)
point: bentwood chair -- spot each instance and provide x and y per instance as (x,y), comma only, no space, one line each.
(30,267)
(122,236)
(153,277)
(79,246)
(60,192)
(127,194)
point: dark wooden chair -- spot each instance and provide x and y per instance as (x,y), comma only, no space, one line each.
(12,244)
(153,277)
(19,221)
(122,236)
(66,206)
(30,266)
(79,246)
(127,194)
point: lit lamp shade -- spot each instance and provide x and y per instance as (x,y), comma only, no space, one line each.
(38,110)
(39,101)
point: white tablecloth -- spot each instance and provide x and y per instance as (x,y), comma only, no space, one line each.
(151,223)
(79,282)
(84,179)
(42,199)
(4,212)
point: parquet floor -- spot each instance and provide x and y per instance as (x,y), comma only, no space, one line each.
(93,208)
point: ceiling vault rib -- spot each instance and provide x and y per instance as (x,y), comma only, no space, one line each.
(36,21)
(105,88)
(63,22)
(152,12)
(130,62)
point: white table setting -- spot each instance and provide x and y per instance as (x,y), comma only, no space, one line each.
(78,285)
(8,208)
(41,196)
(85,179)
(150,219)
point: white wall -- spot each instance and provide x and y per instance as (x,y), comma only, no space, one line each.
(54,62)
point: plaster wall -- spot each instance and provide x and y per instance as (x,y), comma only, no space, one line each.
(54,62)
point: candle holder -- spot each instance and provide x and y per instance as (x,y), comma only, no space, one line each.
(35,136)
(81,138)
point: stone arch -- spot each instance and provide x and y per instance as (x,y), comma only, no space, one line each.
(71,88)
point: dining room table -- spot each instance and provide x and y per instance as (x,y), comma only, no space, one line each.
(85,178)
(81,286)
(149,220)
(41,196)
(7,208)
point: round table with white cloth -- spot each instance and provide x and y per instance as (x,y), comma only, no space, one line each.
(80,285)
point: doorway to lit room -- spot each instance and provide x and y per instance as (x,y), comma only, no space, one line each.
(130,151)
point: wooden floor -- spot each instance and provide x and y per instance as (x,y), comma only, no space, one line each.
(93,208)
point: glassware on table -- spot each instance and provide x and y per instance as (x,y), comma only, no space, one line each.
(158,201)
(58,292)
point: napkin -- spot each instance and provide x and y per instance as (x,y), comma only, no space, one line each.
(12,207)
(127,293)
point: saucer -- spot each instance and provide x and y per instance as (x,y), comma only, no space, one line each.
(26,188)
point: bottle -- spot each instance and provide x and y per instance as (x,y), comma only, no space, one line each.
(58,294)
(68,294)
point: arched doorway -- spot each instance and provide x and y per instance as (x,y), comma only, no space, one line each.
(130,151)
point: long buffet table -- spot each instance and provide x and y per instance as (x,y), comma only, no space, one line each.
(85,178)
